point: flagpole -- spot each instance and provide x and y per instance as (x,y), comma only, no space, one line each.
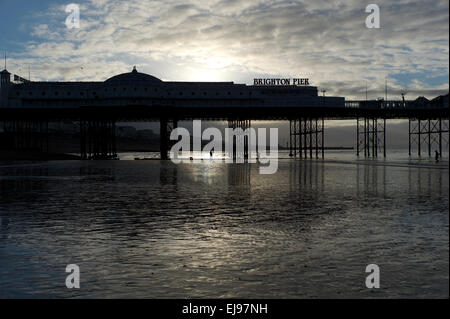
(366,90)
(386,95)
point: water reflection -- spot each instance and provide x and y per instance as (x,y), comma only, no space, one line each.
(239,174)
(168,174)
(371,180)
(18,180)
(89,171)
(156,229)
(425,182)
(307,174)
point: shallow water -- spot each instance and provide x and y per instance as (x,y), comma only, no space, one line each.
(152,229)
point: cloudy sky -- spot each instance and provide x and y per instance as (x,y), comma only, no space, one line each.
(236,40)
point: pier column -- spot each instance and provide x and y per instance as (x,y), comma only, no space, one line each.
(440,136)
(26,135)
(291,154)
(307,137)
(409,137)
(98,139)
(429,138)
(419,139)
(163,139)
(165,128)
(429,132)
(371,135)
(242,139)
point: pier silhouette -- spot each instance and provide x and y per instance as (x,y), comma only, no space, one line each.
(26,108)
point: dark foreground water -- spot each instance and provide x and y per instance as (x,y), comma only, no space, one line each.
(151,229)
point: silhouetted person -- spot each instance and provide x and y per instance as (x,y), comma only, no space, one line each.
(437,156)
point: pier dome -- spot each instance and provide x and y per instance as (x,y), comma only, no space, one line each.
(133,77)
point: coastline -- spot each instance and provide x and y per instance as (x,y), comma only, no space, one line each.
(8,155)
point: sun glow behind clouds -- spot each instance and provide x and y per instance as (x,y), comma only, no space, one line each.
(223,40)
(212,69)
(202,75)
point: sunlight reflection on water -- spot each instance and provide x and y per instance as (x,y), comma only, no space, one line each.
(154,229)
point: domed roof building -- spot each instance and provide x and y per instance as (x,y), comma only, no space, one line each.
(132,78)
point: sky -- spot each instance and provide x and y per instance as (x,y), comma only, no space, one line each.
(236,40)
(239,40)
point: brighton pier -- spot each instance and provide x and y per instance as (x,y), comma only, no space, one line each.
(27,107)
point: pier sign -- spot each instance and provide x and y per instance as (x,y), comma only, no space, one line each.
(281,82)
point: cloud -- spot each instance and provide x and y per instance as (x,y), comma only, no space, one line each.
(239,40)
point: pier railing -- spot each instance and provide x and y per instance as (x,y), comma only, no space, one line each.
(393,104)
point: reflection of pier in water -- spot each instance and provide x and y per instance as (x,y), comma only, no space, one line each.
(421,182)
(239,174)
(19,180)
(370,180)
(168,174)
(307,175)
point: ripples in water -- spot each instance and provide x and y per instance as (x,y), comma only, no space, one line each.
(152,229)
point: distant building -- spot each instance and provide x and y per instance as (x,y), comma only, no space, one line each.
(67,127)
(132,132)
(146,134)
(126,131)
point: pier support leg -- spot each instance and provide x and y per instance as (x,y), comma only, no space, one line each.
(307,137)
(240,139)
(165,127)
(429,132)
(26,135)
(409,137)
(371,135)
(357,137)
(163,139)
(98,139)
